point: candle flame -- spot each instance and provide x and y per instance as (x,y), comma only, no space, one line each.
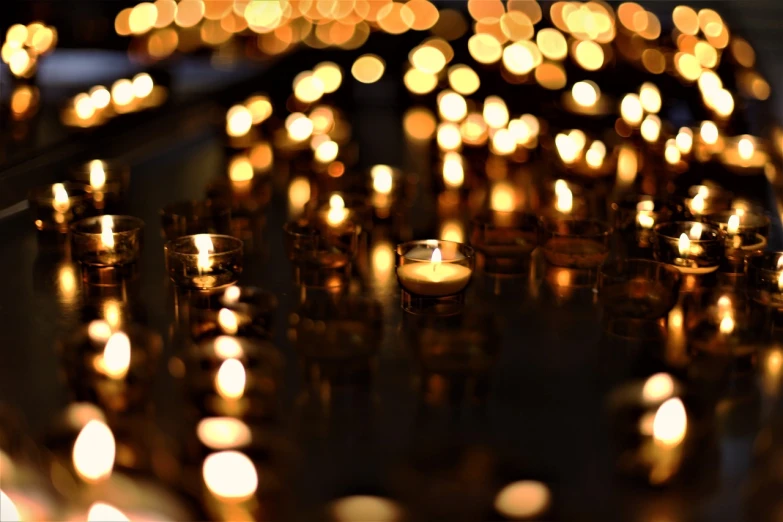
(684,244)
(232,294)
(230,475)
(565,200)
(645,220)
(726,324)
(107,232)
(99,331)
(204,246)
(8,510)
(436,258)
(101,512)
(670,423)
(93,452)
(227,347)
(746,148)
(697,204)
(337,212)
(733,225)
(595,154)
(97,174)
(658,387)
(230,379)
(695,231)
(222,433)
(724,305)
(116,356)
(453,172)
(382,179)
(61,201)
(228,321)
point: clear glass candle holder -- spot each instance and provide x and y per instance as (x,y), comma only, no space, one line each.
(55,207)
(765,279)
(638,289)
(724,329)
(505,240)
(204,261)
(107,246)
(109,180)
(319,251)
(575,243)
(187,218)
(746,236)
(692,247)
(707,198)
(433,275)
(635,217)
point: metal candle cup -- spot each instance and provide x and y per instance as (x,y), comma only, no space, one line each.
(106,243)
(575,243)
(638,289)
(692,247)
(55,207)
(505,240)
(186,218)
(204,261)
(433,273)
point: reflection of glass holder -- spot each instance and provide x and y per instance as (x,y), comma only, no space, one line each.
(427,305)
(109,276)
(318,276)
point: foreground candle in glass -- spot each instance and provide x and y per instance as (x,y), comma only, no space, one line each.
(107,246)
(505,240)
(694,248)
(433,274)
(204,261)
(575,243)
(55,207)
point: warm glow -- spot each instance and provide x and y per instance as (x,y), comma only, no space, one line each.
(726,324)
(299,126)
(227,347)
(83,106)
(567,149)
(733,224)
(230,475)
(419,124)
(382,260)
(107,232)
(420,82)
(427,59)
(436,258)
(204,247)
(122,92)
(709,84)
(502,198)
(722,103)
(365,508)
(746,148)
(100,96)
(223,433)
(565,199)
(337,213)
(452,230)
(327,151)
(522,500)
(670,423)
(645,220)
(595,155)
(684,245)
(684,140)
(463,79)
(116,357)
(485,48)
(631,109)
(453,171)
(521,57)
(101,512)
(449,137)
(671,152)
(228,321)
(651,128)
(709,132)
(695,232)
(382,179)
(240,169)
(452,106)
(97,174)
(298,194)
(8,510)
(589,55)
(697,204)
(658,387)
(552,43)
(260,108)
(650,97)
(142,85)
(99,331)
(368,68)
(307,87)
(627,164)
(585,93)
(239,120)
(61,202)
(230,379)
(93,452)
(495,112)
(688,66)
(503,142)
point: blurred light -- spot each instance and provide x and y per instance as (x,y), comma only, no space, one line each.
(684,140)
(516,26)
(671,423)
(142,18)
(627,164)
(93,452)
(230,379)
(368,68)
(323,119)
(299,126)
(222,433)
(709,132)
(166,12)
(589,55)
(485,48)
(419,82)
(706,54)
(425,14)
(688,66)
(723,103)
(452,230)
(463,79)
(262,16)
(671,152)
(523,499)
(567,149)
(650,97)
(382,179)
(239,121)
(83,106)
(122,22)
(116,358)
(427,59)
(596,154)
(631,109)
(521,57)
(189,13)
(330,74)
(8,510)
(742,52)
(102,512)
(260,108)
(122,92)
(474,129)
(551,76)
(327,151)
(501,198)
(651,128)
(419,123)
(585,93)
(395,18)
(230,475)
(142,85)
(552,44)
(495,112)
(100,96)
(307,87)
(453,170)
(709,83)
(365,508)
(450,25)
(448,136)
(503,142)
(686,20)
(654,61)
(240,170)
(452,106)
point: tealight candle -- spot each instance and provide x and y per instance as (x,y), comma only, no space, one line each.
(746,235)
(55,207)
(724,329)
(106,243)
(386,184)
(433,270)
(693,247)
(108,180)
(505,240)
(765,279)
(186,218)
(204,261)
(575,243)
(743,155)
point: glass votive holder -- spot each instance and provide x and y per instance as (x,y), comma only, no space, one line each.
(707,198)
(257,304)
(386,185)
(724,330)
(746,235)
(204,261)
(575,243)
(108,179)
(694,248)
(505,240)
(55,207)
(745,155)
(107,247)
(335,208)
(765,279)
(635,217)
(187,218)
(319,251)
(638,289)
(433,275)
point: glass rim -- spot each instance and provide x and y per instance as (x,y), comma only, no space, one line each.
(755,261)
(44,192)
(656,230)
(139,224)
(216,208)
(464,249)
(765,220)
(237,245)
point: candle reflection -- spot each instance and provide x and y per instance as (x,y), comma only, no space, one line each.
(102,512)
(93,452)
(230,379)
(222,433)
(230,476)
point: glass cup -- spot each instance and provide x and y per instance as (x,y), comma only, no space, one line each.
(204,261)
(575,243)
(638,289)
(694,248)
(55,207)
(505,240)
(106,245)
(186,218)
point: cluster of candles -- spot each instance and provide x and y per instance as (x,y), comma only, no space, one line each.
(24,46)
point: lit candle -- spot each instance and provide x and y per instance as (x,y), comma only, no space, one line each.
(435,278)
(742,155)
(688,248)
(204,261)
(692,247)
(104,242)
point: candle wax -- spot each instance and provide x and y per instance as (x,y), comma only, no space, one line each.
(434,279)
